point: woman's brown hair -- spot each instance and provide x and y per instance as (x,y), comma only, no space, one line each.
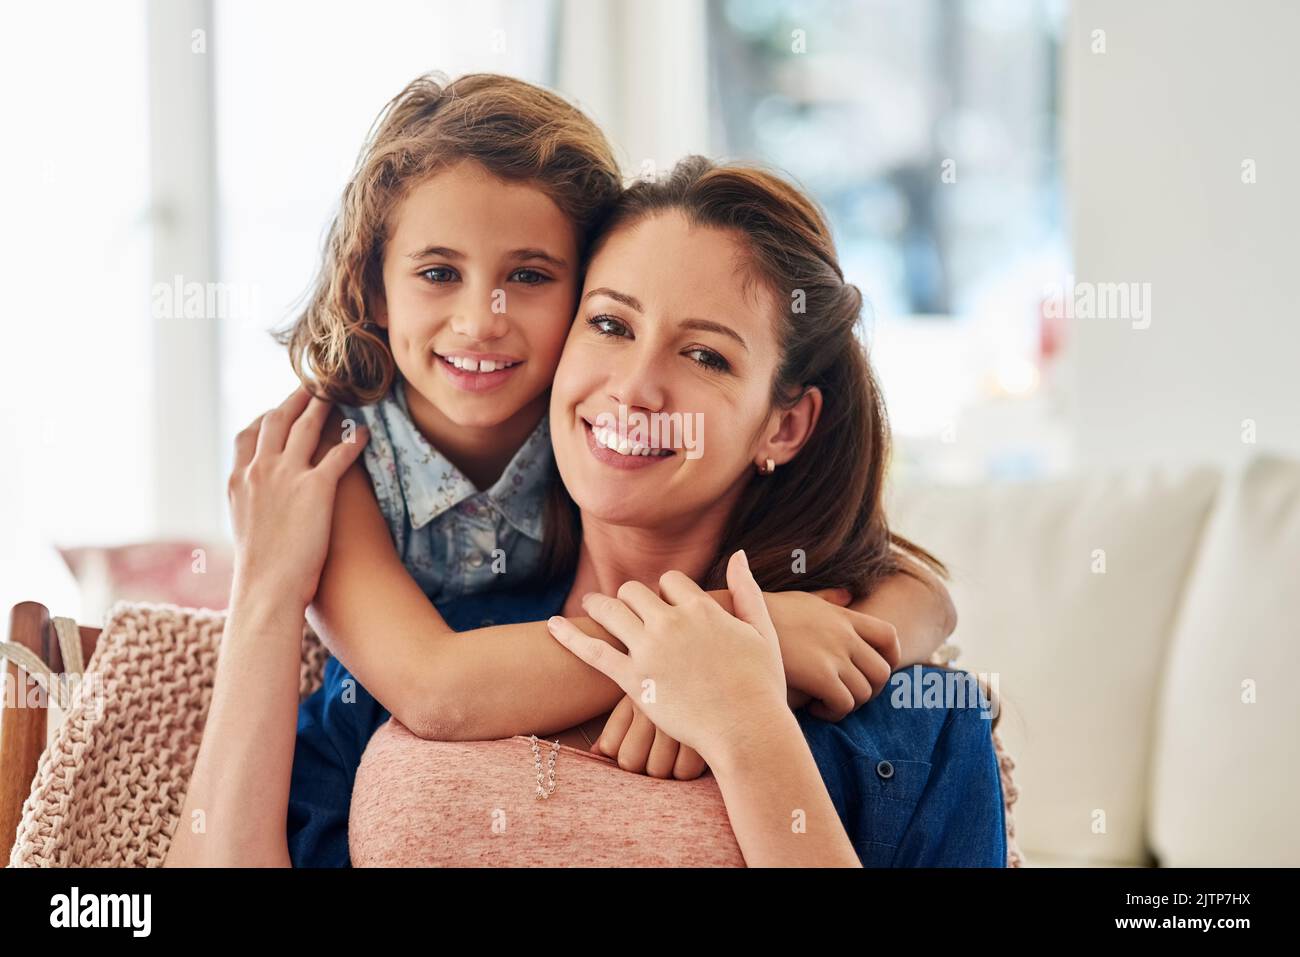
(818,521)
(517,131)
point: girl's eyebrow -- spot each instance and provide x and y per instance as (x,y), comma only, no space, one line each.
(532,253)
(442,252)
(518,255)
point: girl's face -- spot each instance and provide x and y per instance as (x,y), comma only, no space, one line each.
(480,280)
(670,331)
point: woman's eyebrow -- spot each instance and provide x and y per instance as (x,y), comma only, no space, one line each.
(702,325)
(707,325)
(632,302)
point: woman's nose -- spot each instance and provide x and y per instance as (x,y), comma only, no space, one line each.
(637,385)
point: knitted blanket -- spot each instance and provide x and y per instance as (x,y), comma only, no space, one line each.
(109,788)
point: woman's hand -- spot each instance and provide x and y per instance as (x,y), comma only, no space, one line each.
(712,680)
(835,659)
(836,656)
(280,504)
(632,739)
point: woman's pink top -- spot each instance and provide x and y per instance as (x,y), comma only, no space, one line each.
(420,803)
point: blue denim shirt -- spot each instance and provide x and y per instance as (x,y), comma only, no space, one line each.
(453,539)
(914,787)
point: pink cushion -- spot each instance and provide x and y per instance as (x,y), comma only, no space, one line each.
(423,803)
(189,574)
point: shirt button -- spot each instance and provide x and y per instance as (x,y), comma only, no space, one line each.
(885,770)
(475,560)
(486,623)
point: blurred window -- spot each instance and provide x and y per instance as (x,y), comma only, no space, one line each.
(926,128)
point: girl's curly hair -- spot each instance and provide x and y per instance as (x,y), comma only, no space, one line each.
(517,131)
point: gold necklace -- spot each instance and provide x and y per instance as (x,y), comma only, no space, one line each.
(544,793)
(546,783)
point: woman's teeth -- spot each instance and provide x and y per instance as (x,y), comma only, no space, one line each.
(609,439)
(478,365)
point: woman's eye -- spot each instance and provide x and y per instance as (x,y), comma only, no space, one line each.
(607,326)
(709,359)
(529,277)
(440,274)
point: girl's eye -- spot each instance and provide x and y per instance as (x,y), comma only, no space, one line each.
(440,274)
(607,326)
(709,359)
(529,277)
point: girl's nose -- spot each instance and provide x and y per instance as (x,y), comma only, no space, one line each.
(477,319)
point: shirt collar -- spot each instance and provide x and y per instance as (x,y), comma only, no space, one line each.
(433,485)
(520,493)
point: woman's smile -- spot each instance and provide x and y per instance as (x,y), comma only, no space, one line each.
(607,447)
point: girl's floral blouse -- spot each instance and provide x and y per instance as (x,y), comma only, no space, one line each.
(453,538)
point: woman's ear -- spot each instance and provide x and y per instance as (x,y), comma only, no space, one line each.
(792,428)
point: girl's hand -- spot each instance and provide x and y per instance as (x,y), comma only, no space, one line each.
(836,656)
(632,739)
(712,680)
(280,504)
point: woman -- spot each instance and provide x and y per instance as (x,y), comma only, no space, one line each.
(714,292)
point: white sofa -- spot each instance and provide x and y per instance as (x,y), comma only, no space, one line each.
(1144,631)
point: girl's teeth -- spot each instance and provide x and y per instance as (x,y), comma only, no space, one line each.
(467,364)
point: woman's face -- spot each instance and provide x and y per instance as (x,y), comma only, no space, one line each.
(661,405)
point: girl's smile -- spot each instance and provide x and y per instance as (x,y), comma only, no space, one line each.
(476,372)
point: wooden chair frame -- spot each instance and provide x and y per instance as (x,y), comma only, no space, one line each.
(23,729)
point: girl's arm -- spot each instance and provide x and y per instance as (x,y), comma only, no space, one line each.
(489,683)
(916,602)
(512,679)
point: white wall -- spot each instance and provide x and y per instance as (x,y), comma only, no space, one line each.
(641,70)
(1156,132)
